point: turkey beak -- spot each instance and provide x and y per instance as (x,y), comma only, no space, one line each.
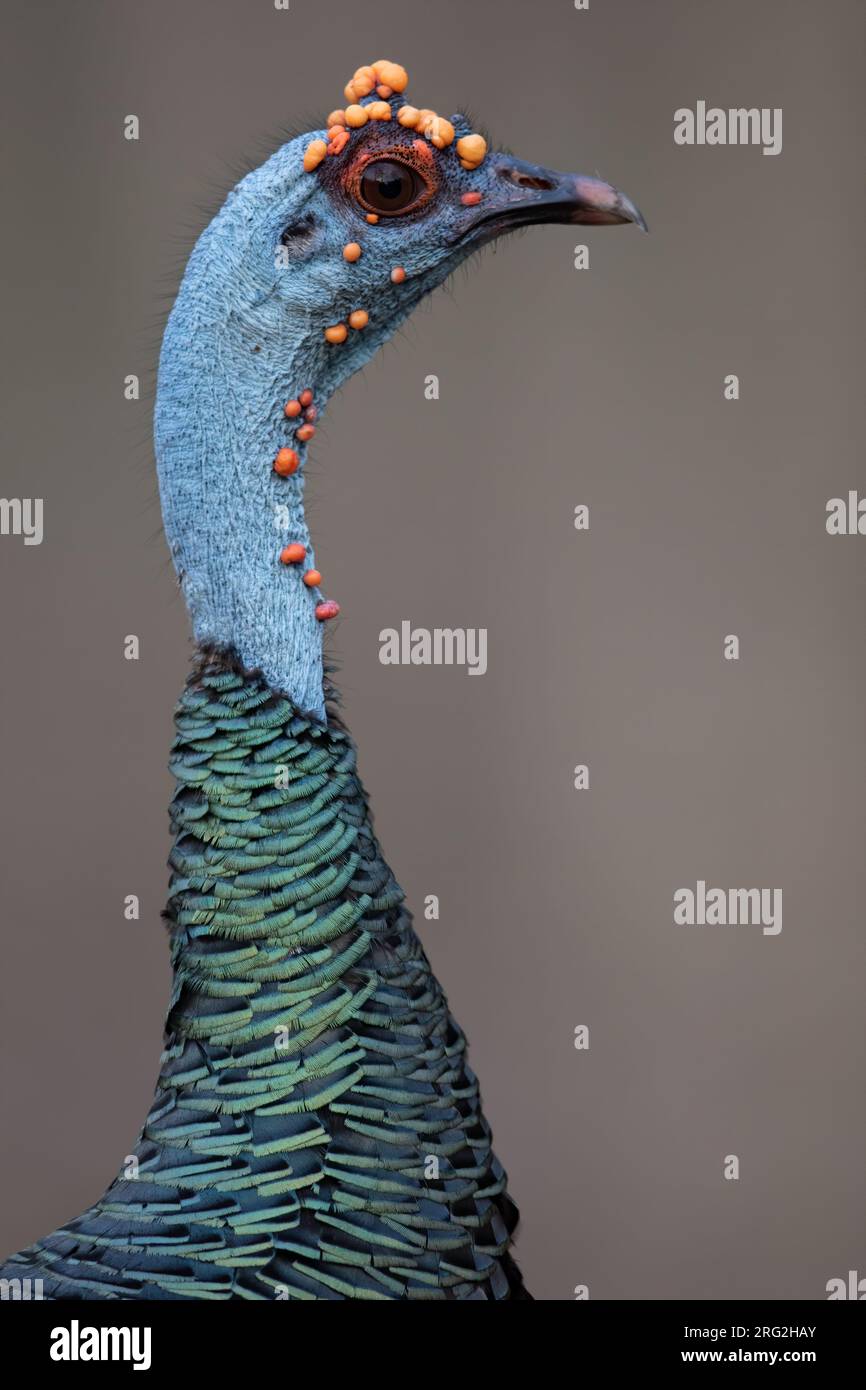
(520,194)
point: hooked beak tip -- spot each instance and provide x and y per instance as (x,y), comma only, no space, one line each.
(635,215)
(600,204)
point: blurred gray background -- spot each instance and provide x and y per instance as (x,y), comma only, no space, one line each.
(558,387)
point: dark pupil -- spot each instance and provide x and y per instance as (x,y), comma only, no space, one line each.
(387,187)
(389,190)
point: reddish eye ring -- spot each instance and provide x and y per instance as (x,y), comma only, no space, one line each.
(388,187)
(391,184)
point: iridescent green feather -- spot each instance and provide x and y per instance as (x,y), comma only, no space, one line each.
(316,1132)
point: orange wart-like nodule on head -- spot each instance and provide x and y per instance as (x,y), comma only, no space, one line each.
(388,80)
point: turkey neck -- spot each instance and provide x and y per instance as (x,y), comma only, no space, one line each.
(274,866)
(227,514)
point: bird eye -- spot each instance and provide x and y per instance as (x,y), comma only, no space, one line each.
(389,187)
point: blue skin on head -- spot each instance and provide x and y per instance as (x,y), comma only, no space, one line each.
(246,334)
